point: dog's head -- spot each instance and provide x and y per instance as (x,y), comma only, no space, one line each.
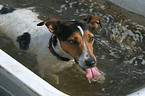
(76,39)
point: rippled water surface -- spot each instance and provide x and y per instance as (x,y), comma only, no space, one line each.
(119,45)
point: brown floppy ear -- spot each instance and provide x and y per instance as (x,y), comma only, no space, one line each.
(93,21)
(52,24)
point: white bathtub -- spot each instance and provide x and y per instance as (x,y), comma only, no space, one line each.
(136,6)
(17,80)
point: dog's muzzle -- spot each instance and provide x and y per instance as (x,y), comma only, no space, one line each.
(91,71)
(89,66)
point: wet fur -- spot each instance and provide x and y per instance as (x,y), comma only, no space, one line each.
(15,24)
(20,24)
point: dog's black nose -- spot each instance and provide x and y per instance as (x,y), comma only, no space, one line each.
(90,62)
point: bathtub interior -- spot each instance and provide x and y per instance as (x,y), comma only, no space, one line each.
(119,46)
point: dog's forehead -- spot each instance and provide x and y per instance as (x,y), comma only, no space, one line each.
(74,24)
(68,28)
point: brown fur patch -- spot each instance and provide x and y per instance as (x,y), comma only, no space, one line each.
(81,21)
(75,50)
(53,25)
(69,23)
(89,45)
(94,22)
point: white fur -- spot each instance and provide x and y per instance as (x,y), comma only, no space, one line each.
(1,7)
(83,57)
(81,30)
(24,20)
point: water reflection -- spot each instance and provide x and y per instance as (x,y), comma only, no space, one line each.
(119,45)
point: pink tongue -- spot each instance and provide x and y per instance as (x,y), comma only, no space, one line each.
(91,73)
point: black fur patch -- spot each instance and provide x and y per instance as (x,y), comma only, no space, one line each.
(54,41)
(40,24)
(24,41)
(5,10)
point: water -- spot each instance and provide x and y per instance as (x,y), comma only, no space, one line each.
(119,46)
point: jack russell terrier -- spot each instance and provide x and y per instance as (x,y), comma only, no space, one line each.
(55,45)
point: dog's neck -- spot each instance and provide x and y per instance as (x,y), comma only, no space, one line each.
(56,50)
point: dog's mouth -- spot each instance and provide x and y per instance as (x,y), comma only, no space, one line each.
(91,72)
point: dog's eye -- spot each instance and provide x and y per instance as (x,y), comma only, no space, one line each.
(91,39)
(72,41)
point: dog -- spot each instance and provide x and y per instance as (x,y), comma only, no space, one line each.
(56,45)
